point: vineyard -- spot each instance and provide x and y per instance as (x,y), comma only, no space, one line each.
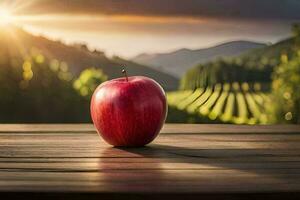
(228,103)
(231,90)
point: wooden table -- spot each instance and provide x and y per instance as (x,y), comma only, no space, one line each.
(184,162)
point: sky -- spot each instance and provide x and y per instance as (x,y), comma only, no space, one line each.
(130,27)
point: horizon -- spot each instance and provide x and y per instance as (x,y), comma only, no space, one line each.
(71,43)
(128,45)
(153,28)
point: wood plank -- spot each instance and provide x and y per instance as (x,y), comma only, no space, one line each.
(200,161)
(168,128)
(9,138)
(169,159)
(94,167)
(200,181)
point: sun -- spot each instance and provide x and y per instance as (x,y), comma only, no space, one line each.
(6,16)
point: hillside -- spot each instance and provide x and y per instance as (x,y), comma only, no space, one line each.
(253,66)
(19,43)
(178,62)
(234,90)
(268,55)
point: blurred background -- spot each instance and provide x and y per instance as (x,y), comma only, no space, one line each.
(227,61)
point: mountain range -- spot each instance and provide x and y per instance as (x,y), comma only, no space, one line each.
(178,62)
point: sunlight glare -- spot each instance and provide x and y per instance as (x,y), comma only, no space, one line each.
(5,16)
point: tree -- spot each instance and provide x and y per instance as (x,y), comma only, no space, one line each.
(286,90)
(32,90)
(88,80)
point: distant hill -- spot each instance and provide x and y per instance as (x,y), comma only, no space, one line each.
(178,62)
(269,56)
(253,66)
(19,43)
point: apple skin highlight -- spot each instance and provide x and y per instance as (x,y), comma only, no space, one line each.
(129,112)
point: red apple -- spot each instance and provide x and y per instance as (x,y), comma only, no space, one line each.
(129,111)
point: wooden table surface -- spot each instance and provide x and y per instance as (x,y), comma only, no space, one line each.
(184,162)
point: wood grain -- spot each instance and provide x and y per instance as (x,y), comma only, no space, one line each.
(186,161)
(168,128)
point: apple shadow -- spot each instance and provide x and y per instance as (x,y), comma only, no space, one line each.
(266,162)
(149,171)
(130,169)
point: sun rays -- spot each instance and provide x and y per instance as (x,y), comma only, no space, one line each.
(5,16)
(11,11)
(10,23)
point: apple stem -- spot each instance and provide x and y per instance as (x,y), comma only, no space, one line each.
(125,73)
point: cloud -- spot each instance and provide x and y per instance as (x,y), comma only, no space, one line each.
(241,9)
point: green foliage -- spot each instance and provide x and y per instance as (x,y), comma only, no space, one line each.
(32,90)
(286,90)
(296,30)
(285,85)
(88,80)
